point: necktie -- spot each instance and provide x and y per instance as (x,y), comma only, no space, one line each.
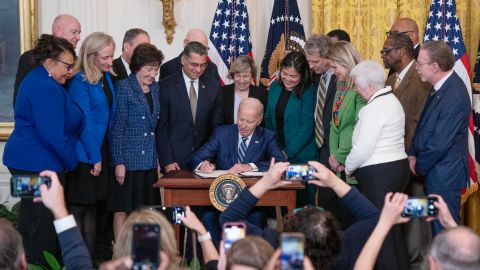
(397,83)
(193,100)
(242,149)
(321,94)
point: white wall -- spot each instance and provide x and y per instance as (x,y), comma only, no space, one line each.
(116,16)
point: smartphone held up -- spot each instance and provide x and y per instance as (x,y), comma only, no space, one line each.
(420,207)
(27,186)
(146,246)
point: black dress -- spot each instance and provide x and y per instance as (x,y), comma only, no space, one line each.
(81,186)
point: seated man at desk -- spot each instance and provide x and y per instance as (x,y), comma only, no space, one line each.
(237,148)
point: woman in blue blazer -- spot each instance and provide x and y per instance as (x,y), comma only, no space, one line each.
(92,90)
(289,112)
(44,138)
(132,137)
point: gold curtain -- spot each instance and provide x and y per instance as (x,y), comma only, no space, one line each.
(366,21)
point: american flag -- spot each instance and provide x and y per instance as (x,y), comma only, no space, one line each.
(443,25)
(229,36)
(285,34)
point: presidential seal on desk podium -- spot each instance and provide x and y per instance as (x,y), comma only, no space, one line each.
(225,189)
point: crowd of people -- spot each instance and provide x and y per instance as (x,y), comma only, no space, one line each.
(105,129)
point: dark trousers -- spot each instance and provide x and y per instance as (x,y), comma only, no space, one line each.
(453,199)
(35,224)
(375,181)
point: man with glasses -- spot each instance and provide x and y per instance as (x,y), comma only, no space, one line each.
(64,26)
(439,150)
(191,107)
(398,56)
(175,65)
(410,28)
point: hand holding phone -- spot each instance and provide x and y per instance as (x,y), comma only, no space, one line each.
(27,186)
(172,213)
(146,246)
(232,231)
(293,246)
(420,207)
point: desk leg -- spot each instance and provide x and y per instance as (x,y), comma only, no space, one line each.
(292,200)
(168,201)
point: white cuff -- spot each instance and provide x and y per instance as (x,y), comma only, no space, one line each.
(254,167)
(64,224)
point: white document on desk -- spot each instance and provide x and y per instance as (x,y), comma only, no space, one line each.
(253,174)
(213,174)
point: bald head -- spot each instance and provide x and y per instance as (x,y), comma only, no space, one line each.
(408,26)
(67,27)
(196,35)
(455,248)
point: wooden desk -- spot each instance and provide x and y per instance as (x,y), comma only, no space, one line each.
(186,188)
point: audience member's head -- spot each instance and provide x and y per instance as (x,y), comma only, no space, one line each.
(123,246)
(406,26)
(294,72)
(455,249)
(368,77)
(434,61)
(397,51)
(132,38)
(12,255)
(57,56)
(342,58)
(194,59)
(196,35)
(146,55)
(338,35)
(250,114)
(242,71)
(322,235)
(67,27)
(316,49)
(250,253)
(95,56)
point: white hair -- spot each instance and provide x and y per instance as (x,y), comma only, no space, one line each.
(368,73)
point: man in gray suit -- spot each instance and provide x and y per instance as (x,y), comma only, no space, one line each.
(398,56)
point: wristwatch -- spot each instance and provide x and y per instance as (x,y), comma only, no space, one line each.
(204,237)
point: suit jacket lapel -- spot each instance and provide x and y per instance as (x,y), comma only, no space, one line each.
(252,147)
(183,96)
(202,96)
(156,105)
(430,106)
(346,104)
(293,105)
(405,81)
(138,93)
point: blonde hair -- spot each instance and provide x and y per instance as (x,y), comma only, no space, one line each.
(91,45)
(123,246)
(251,251)
(345,55)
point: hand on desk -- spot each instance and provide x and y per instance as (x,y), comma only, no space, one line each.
(239,168)
(206,167)
(172,167)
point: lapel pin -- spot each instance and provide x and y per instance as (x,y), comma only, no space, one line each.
(256,141)
(203,85)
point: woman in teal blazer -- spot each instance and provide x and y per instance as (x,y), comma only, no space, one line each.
(346,105)
(289,112)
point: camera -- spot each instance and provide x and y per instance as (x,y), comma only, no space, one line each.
(146,246)
(27,186)
(420,207)
(299,172)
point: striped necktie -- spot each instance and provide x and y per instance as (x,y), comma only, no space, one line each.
(321,94)
(242,150)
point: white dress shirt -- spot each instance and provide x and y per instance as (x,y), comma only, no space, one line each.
(378,136)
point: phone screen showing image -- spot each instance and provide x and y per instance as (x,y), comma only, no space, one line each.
(292,251)
(299,172)
(231,233)
(26,186)
(146,246)
(420,207)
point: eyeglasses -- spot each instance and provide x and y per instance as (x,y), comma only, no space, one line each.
(195,65)
(67,65)
(387,50)
(393,32)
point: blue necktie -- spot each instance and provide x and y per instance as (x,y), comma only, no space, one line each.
(242,149)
